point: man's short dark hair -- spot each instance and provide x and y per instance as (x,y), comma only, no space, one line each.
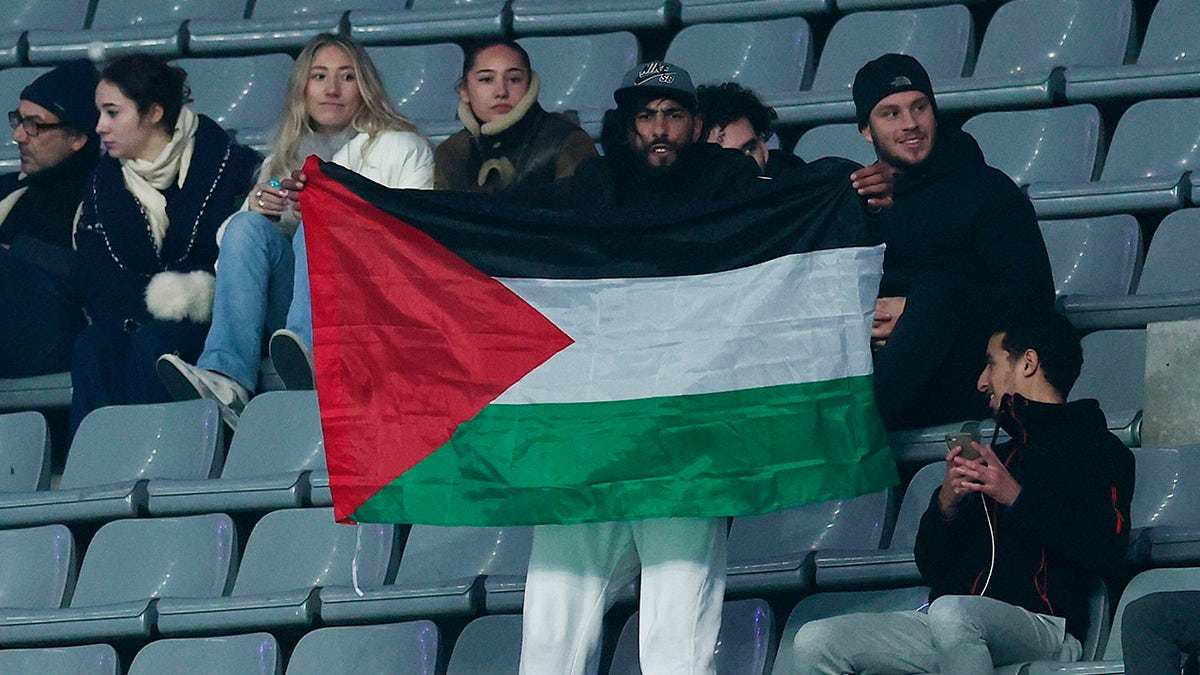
(723,104)
(1052,336)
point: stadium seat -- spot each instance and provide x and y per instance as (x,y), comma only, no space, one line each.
(835,140)
(410,647)
(12,81)
(24,452)
(1094,256)
(775,551)
(100,659)
(1028,45)
(431,21)
(1114,373)
(1109,657)
(823,605)
(442,572)
(40,392)
(708,11)
(245,94)
(773,57)
(1050,144)
(267,466)
(250,654)
(745,644)
(420,79)
(39,567)
(489,644)
(17,17)
(290,554)
(1168,289)
(122,26)
(1165,514)
(115,452)
(1166,66)
(274,25)
(562,17)
(1147,168)
(580,72)
(941,38)
(846,569)
(848,6)
(130,565)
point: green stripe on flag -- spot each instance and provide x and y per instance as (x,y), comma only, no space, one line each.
(720,454)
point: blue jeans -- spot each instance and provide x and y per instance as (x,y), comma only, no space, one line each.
(299,318)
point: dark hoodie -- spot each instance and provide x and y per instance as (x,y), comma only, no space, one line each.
(1069,524)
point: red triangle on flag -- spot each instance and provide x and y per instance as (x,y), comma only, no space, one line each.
(410,340)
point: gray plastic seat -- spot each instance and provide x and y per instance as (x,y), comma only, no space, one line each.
(251,654)
(1165,514)
(130,565)
(1051,144)
(442,572)
(745,643)
(98,659)
(39,567)
(894,565)
(1168,289)
(430,21)
(1114,373)
(122,26)
(860,5)
(24,452)
(580,72)
(941,38)
(489,644)
(290,554)
(40,392)
(561,17)
(12,81)
(1154,149)
(705,11)
(1094,256)
(1029,43)
(115,452)
(835,140)
(773,57)
(410,647)
(274,25)
(1166,66)
(243,94)
(277,445)
(775,551)
(19,16)
(420,79)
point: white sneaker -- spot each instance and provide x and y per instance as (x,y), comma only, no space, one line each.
(185,382)
(293,360)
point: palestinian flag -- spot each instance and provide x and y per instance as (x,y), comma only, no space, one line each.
(487,363)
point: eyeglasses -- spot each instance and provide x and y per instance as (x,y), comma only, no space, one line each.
(32,126)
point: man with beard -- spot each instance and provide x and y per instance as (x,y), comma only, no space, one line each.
(962,243)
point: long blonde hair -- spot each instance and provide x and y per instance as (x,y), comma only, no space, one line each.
(374,116)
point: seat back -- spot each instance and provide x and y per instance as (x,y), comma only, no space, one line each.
(291,9)
(1035,36)
(433,553)
(1171,264)
(580,72)
(489,644)
(1114,370)
(251,654)
(143,558)
(410,647)
(98,659)
(239,92)
(420,79)
(121,13)
(1094,256)
(772,57)
(1166,492)
(1171,37)
(1155,137)
(18,16)
(39,567)
(941,38)
(24,452)
(856,523)
(835,140)
(133,442)
(745,643)
(1051,144)
(1150,581)
(304,548)
(913,505)
(1098,620)
(264,445)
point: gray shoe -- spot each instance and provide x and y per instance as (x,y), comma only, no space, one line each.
(185,382)
(293,361)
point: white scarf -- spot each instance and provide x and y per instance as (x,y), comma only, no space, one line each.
(146,179)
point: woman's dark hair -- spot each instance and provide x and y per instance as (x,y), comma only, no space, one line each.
(471,52)
(147,80)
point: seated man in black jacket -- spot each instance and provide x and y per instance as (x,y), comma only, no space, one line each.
(1012,538)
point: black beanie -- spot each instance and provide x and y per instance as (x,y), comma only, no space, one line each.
(68,91)
(887,75)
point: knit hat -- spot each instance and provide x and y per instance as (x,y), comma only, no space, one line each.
(887,75)
(659,79)
(68,91)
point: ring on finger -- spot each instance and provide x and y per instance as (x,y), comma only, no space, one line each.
(261,203)
(258,194)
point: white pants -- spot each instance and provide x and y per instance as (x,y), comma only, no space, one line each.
(575,572)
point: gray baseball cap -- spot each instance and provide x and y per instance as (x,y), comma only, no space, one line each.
(657,79)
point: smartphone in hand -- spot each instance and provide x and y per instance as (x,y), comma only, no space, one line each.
(963,439)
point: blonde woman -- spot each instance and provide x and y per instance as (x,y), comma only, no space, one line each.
(337,109)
